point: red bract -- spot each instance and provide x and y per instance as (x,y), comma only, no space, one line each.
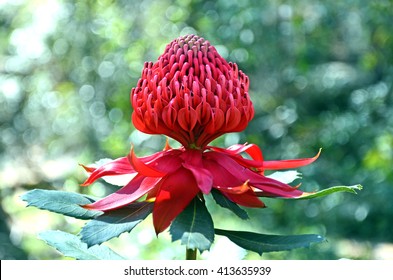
(173,177)
(192,95)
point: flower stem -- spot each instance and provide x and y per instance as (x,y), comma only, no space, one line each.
(191,254)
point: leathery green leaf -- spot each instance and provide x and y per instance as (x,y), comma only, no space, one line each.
(263,243)
(71,246)
(194,227)
(113,223)
(321,193)
(66,203)
(226,203)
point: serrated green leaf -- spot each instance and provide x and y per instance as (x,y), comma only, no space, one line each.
(71,246)
(194,227)
(263,243)
(321,193)
(113,223)
(66,203)
(226,203)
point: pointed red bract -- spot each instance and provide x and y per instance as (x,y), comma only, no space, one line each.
(193,162)
(143,168)
(176,192)
(247,199)
(252,150)
(290,163)
(126,195)
(119,166)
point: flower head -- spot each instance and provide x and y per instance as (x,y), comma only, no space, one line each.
(192,95)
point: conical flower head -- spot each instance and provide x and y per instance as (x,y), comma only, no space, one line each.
(191,94)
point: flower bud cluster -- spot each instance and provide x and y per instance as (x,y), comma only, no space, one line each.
(191,94)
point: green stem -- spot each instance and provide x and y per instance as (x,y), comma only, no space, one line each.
(191,254)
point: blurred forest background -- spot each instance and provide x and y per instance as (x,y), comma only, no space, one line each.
(321,75)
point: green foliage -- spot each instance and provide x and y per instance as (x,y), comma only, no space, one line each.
(8,250)
(114,223)
(262,243)
(194,227)
(71,246)
(65,203)
(328,191)
(226,203)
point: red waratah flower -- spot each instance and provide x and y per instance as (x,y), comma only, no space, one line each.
(192,95)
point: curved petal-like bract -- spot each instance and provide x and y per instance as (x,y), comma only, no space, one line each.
(118,166)
(173,177)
